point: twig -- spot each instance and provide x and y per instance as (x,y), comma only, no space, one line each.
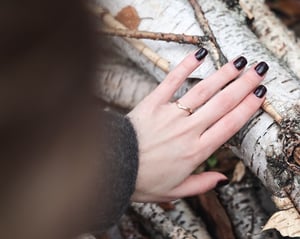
(217,55)
(267,107)
(169,37)
(111,22)
(246,11)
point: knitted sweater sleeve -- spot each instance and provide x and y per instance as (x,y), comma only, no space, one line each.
(118,170)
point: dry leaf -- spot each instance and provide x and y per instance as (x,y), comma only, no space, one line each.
(216,215)
(282,203)
(290,8)
(287,222)
(167,206)
(129,17)
(239,172)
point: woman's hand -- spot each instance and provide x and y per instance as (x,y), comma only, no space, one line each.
(175,138)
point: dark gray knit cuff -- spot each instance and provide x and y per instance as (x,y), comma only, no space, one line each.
(119,165)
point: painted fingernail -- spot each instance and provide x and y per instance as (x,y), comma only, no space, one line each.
(201,53)
(222,183)
(260,91)
(261,68)
(240,63)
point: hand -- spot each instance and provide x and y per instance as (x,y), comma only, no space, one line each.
(173,142)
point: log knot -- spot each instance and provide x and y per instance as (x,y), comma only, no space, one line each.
(289,134)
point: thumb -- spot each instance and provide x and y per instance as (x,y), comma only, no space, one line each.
(197,184)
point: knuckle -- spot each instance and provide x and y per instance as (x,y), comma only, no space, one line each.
(230,71)
(227,101)
(251,78)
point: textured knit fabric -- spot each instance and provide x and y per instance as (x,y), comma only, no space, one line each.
(66,168)
(120,153)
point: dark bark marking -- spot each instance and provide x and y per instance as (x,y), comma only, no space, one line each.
(285,81)
(293,90)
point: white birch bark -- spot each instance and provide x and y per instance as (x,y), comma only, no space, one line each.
(161,222)
(183,216)
(270,30)
(245,209)
(258,143)
(122,83)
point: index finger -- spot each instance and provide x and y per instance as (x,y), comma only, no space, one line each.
(164,92)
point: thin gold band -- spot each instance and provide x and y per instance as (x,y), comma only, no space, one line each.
(185,108)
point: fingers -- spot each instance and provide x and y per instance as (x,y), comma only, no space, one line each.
(232,122)
(205,89)
(224,101)
(197,184)
(164,92)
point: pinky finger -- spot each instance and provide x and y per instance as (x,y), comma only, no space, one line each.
(232,122)
(197,184)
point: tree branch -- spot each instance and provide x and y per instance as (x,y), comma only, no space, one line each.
(215,50)
(111,22)
(169,37)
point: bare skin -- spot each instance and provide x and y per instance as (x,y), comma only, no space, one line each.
(180,141)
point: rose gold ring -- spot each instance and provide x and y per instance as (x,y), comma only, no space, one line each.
(185,108)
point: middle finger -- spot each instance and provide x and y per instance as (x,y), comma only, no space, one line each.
(229,97)
(206,88)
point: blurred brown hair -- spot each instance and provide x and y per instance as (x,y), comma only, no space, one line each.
(46,66)
(46,62)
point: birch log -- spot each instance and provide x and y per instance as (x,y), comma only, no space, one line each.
(257,143)
(281,41)
(183,216)
(245,209)
(121,82)
(161,222)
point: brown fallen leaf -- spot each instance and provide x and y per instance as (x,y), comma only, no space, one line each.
(129,17)
(216,216)
(167,206)
(287,10)
(290,8)
(287,222)
(239,172)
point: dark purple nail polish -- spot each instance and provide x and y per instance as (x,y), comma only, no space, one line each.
(261,68)
(201,53)
(222,183)
(240,63)
(260,91)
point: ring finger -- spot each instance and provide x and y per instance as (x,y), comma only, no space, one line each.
(229,98)
(205,89)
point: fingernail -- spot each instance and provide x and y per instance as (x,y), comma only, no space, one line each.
(240,63)
(261,68)
(260,91)
(201,53)
(222,183)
